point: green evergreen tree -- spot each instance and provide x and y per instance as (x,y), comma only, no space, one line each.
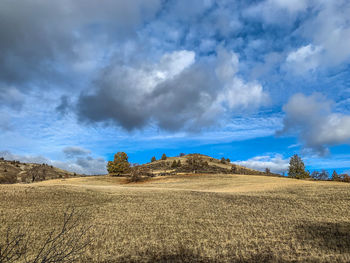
(223,160)
(297,168)
(174,164)
(163,157)
(153,159)
(178,163)
(120,164)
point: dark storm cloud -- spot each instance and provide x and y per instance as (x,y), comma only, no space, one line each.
(40,39)
(176,93)
(11,97)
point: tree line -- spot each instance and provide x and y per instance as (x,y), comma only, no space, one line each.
(297,170)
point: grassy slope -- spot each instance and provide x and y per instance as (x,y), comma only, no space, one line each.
(19,171)
(206,218)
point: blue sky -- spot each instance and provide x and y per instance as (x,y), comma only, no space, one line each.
(253,81)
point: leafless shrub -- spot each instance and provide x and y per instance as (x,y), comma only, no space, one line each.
(63,245)
(140,173)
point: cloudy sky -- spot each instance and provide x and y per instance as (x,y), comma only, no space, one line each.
(254,81)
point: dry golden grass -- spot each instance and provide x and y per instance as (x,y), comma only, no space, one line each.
(198,218)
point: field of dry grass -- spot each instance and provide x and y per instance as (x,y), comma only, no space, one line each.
(198,218)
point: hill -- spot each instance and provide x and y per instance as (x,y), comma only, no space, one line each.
(187,218)
(198,163)
(17,172)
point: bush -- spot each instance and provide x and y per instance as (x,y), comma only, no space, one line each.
(120,165)
(8,179)
(163,157)
(223,160)
(228,160)
(140,173)
(196,163)
(346,178)
(153,159)
(336,176)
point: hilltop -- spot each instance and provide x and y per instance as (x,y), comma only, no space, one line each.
(18,172)
(198,163)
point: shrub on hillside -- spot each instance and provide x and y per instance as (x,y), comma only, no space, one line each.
(140,173)
(153,159)
(174,164)
(8,179)
(163,157)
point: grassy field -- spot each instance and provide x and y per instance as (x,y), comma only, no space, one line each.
(198,218)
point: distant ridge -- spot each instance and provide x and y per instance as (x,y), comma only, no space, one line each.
(17,172)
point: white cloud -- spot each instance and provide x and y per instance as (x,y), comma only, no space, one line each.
(304,59)
(236,93)
(290,5)
(174,63)
(311,118)
(239,94)
(277,11)
(276,163)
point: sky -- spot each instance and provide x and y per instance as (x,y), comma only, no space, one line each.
(255,81)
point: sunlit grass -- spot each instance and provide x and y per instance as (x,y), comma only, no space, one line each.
(202,218)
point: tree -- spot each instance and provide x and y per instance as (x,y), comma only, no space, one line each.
(153,159)
(120,165)
(267,171)
(178,163)
(228,160)
(174,164)
(163,157)
(297,168)
(336,176)
(223,160)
